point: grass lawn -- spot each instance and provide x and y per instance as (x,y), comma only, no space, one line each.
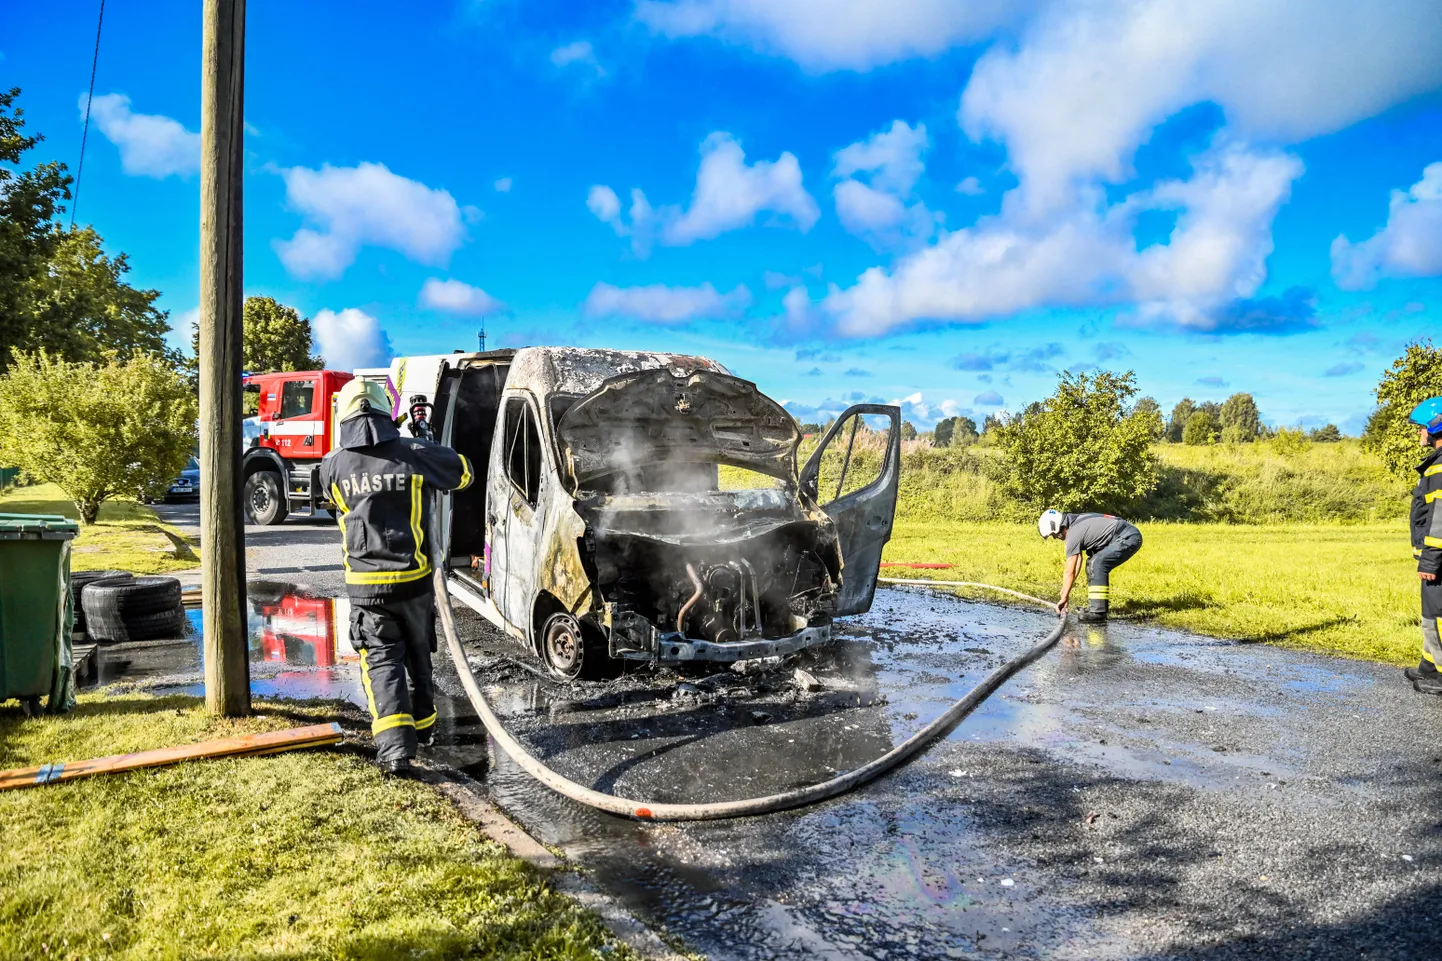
(301,855)
(127,537)
(1344,589)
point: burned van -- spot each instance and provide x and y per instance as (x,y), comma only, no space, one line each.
(645,506)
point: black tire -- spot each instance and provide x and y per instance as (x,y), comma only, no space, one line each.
(166,625)
(79,580)
(571,649)
(264,498)
(132,608)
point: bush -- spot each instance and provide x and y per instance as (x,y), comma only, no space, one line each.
(96,431)
(1201,429)
(1083,447)
(1411,379)
(1289,442)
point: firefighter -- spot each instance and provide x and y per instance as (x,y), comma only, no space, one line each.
(381,484)
(1108,543)
(1427,543)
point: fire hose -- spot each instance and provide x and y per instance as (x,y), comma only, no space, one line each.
(800,797)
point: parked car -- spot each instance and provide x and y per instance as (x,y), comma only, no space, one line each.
(597,528)
(187,485)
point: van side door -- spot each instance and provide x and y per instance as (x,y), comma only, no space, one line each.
(853,476)
(518,512)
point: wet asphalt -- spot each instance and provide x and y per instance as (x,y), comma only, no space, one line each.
(1137,794)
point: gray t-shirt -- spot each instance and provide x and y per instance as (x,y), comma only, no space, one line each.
(1090,532)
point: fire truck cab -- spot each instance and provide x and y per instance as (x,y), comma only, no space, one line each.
(289,435)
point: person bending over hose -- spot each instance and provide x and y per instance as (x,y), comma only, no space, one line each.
(1108,543)
(382,485)
(1427,543)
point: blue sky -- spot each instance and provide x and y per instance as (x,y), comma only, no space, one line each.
(917,200)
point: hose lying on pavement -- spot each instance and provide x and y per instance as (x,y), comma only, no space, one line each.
(647,811)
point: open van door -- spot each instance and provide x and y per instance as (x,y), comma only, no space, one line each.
(853,476)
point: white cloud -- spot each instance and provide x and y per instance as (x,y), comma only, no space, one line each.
(1410,245)
(503,185)
(729,195)
(971,187)
(603,202)
(660,304)
(1092,78)
(150,145)
(834,34)
(580,52)
(877,210)
(892,157)
(456,297)
(350,339)
(1012,262)
(349,207)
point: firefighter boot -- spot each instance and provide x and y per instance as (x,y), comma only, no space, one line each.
(1089,616)
(1428,685)
(1425,670)
(400,767)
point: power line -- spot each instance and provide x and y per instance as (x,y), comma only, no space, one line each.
(80,167)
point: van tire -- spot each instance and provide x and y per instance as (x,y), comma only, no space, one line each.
(79,580)
(264,498)
(572,650)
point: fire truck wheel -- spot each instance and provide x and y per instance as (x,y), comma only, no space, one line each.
(263,500)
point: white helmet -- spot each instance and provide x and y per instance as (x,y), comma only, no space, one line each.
(1049,523)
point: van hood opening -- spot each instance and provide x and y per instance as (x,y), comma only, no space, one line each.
(640,421)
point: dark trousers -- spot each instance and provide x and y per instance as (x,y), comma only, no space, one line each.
(395,640)
(1101,564)
(1431,622)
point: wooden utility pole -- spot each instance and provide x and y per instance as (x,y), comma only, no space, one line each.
(222,533)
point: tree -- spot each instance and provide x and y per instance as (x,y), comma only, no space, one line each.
(1149,406)
(1411,379)
(96,430)
(1201,428)
(1326,434)
(810,428)
(1240,420)
(963,432)
(941,434)
(29,201)
(276,338)
(908,430)
(82,307)
(1180,415)
(1083,447)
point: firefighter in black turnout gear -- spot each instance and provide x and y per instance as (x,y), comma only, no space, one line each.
(381,484)
(1427,544)
(1107,542)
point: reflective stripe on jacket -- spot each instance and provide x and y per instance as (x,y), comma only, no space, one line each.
(1426,518)
(380,483)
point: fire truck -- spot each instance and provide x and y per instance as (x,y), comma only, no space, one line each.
(290,433)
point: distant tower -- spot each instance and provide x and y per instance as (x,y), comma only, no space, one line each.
(481,335)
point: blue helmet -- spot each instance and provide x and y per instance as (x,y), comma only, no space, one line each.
(1428,414)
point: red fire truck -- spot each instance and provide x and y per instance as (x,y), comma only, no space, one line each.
(289,435)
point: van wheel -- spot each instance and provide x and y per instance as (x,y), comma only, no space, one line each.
(572,650)
(263,500)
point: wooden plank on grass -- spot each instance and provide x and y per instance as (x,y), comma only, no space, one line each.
(315,735)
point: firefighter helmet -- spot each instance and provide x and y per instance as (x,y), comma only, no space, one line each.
(1049,523)
(358,396)
(1428,414)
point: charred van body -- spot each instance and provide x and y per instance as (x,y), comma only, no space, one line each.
(650,507)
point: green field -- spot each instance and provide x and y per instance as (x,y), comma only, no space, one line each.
(127,537)
(310,854)
(1348,589)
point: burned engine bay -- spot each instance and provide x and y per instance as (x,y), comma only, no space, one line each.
(681,569)
(720,575)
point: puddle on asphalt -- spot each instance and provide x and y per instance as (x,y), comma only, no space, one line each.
(884,872)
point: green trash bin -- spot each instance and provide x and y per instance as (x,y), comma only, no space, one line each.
(36,611)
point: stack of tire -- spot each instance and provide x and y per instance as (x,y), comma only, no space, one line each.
(116,606)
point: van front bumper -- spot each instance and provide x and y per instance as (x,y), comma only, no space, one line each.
(675,648)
